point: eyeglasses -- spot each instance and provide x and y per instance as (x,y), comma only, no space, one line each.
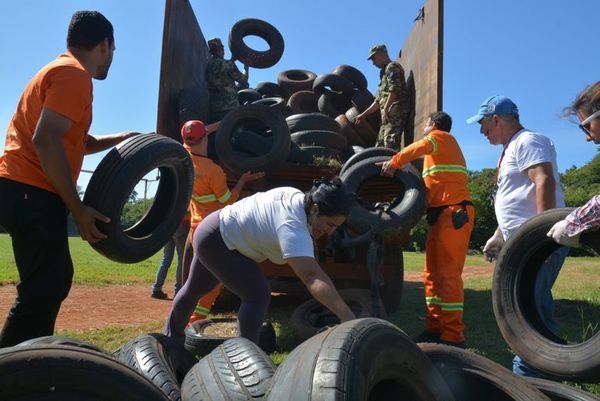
(585,124)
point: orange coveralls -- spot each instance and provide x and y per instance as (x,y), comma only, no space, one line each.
(445,176)
(210,193)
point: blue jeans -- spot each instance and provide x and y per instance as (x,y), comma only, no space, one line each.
(544,302)
(177,242)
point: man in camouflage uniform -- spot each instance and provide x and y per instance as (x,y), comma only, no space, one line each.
(391,99)
(221,76)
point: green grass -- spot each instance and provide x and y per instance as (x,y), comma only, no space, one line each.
(577,293)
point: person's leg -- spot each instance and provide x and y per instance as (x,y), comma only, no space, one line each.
(179,239)
(37,222)
(239,274)
(163,268)
(432,325)
(543,286)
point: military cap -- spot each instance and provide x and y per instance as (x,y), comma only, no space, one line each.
(376,49)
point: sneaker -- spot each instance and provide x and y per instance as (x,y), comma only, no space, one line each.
(427,337)
(159,295)
(457,344)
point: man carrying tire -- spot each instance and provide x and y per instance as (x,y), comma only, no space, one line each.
(45,144)
(391,99)
(450,215)
(527,183)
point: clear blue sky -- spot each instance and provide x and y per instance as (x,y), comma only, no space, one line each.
(539,53)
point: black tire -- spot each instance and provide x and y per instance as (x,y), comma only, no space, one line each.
(366,154)
(400,216)
(303,102)
(60,340)
(310,155)
(352,74)
(246,96)
(515,308)
(363,359)
(311,121)
(362,100)
(332,104)
(276,103)
(251,143)
(349,132)
(311,317)
(160,359)
(292,81)
(114,179)
(269,89)
(255,58)
(557,391)
(366,131)
(237,370)
(62,372)
(472,377)
(327,139)
(330,83)
(235,120)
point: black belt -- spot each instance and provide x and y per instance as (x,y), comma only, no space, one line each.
(433,213)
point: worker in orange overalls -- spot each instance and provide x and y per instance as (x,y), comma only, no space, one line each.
(450,215)
(210,193)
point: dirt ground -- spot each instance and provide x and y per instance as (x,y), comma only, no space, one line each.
(126,305)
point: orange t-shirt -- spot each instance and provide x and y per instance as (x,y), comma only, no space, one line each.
(210,191)
(64,87)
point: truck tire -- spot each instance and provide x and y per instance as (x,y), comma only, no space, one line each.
(364,129)
(349,132)
(557,391)
(60,340)
(330,83)
(269,89)
(160,359)
(73,373)
(252,143)
(255,58)
(363,359)
(352,74)
(237,370)
(292,81)
(280,138)
(472,377)
(327,139)
(246,96)
(311,317)
(366,154)
(311,121)
(303,102)
(401,216)
(362,100)
(515,308)
(113,181)
(276,103)
(332,104)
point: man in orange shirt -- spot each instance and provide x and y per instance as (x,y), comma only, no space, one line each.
(210,193)
(450,215)
(45,144)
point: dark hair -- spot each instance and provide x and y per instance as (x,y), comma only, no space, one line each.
(588,101)
(87,29)
(331,196)
(442,120)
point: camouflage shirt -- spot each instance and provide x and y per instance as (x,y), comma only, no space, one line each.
(392,80)
(221,76)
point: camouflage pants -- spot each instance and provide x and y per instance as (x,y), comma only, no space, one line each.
(390,134)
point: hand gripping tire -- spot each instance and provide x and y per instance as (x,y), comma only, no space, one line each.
(515,308)
(472,377)
(160,359)
(236,370)
(255,58)
(62,372)
(252,113)
(402,215)
(311,317)
(114,180)
(363,359)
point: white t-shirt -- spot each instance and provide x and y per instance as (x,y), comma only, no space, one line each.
(515,198)
(268,225)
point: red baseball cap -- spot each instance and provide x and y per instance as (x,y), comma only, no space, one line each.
(192,132)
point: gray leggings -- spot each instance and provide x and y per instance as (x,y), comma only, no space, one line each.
(214,263)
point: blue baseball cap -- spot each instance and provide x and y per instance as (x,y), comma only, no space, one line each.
(495,105)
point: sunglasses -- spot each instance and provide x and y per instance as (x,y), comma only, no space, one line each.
(585,124)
